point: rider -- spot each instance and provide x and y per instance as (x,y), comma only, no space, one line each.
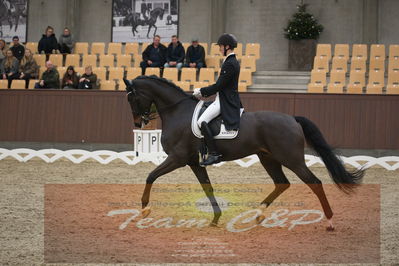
(227,101)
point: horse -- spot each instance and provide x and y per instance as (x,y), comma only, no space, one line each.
(135,21)
(277,139)
(7,14)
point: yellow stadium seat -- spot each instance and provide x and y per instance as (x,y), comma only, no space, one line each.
(184,85)
(376,82)
(337,81)
(152,71)
(253,49)
(189,75)
(81,48)
(377,64)
(32,46)
(205,45)
(116,73)
(89,60)
(132,48)
(317,81)
(186,45)
(124,60)
(341,51)
(32,83)
(207,74)
(114,48)
(393,63)
(248,62)
(40,59)
(133,72)
(144,46)
(213,61)
(137,60)
(97,48)
(358,64)
(377,51)
(245,77)
(394,51)
(393,82)
(72,60)
(238,50)
(215,50)
(108,85)
(324,50)
(56,59)
(357,81)
(80,70)
(101,73)
(321,63)
(170,74)
(18,84)
(340,63)
(3,84)
(107,60)
(61,71)
(359,51)
(41,71)
(200,84)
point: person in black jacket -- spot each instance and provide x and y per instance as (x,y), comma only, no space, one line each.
(17,49)
(227,101)
(154,55)
(195,55)
(48,43)
(175,54)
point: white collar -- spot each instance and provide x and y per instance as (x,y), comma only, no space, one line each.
(232,53)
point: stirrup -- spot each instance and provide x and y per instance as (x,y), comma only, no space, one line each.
(212,159)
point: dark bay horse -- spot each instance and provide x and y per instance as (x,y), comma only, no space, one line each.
(278,140)
(135,21)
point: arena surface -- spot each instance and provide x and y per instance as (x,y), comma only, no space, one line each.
(22,198)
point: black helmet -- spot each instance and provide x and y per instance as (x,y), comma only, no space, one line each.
(227,39)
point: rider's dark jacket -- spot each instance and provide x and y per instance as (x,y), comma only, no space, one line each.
(227,86)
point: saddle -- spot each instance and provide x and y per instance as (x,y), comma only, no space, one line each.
(216,125)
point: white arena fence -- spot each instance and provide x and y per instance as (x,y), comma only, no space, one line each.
(132,157)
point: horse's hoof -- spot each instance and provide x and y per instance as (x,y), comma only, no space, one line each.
(145,212)
(213,224)
(260,218)
(330,228)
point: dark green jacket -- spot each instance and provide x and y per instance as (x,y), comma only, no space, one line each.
(51,78)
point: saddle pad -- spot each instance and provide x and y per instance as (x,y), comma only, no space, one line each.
(223,133)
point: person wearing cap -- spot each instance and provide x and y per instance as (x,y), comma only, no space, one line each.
(227,101)
(195,56)
(17,49)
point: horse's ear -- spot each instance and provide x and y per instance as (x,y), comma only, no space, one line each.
(129,85)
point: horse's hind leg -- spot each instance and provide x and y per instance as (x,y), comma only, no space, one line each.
(303,172)
(275,171)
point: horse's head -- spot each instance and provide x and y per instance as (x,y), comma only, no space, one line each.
(158,12)
(139,103)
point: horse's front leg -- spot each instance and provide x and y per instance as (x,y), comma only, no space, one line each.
(148,32)
(155,31)
(171,163)
(202,176)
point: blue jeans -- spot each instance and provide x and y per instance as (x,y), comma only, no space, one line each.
(199,65)
(178,65)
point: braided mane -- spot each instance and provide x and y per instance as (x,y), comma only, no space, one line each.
(164,81)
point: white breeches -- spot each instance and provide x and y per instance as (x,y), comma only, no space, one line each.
(211,112)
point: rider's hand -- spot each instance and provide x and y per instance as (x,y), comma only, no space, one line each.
(197,93)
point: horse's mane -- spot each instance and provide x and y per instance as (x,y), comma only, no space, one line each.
(164,81)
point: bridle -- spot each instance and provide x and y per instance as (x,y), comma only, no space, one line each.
(139,110)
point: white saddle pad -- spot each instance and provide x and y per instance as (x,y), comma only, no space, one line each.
(224,134)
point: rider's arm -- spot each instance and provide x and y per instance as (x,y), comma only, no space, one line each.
(226,74)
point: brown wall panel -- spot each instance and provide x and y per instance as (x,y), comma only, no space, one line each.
(347,121)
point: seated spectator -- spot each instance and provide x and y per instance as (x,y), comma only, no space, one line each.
(48,43)
(66,42)
(17,49)
(70,79)
(154,55)
(28,68)
(9,67)
(50,78)
(88,79)
(195,56)
(3,49)
(175,54)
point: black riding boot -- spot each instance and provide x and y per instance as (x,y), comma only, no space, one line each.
(213,155)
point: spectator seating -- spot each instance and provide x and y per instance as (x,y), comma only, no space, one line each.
(248,62)
(40,59)
(253,49)
(184,85)
(108,85)
(207,75)
(124,60)
(32,46)
(357,81)
(377,51)
(101,73)
(170,74)
(56,59)
(188,74)
(359,51)
(72,60)
(32,83)
(97,48)
(340,63)
(341,51)
(324,51)
(152,71)
(81,48)
(317,81)
(393,82)
(132,48)
(3,84)
(89,60)
(376,82)
(114,48)
(106,60)
(18,84)
(133,72)
(337,81)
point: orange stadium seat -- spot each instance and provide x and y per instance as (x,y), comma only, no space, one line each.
(152,71)
(80,70)
(393,63)
(253,49)
(205,45)
(56,59)
(132,48)
(116,73)
(324,50)
(189,75)
(248,62)
(394,51)
(377,64)
(207,74)
(108,85)
(114,48)
(393,82)
(18,84)
(133,72)
(137,60)
(124,60)
(89,60)
(359,51)
(213,62)
(340,63)
(200,84)
(61,71)
(81,48)
(377,51)
(32,83)
(170,74)
(337,81)
(245,77)
(107,60)
(97,48)
(321,63)
(341,51)
(40,59)
(3,84)
(376,82)
(215,50)
(101,73)
(358,64)
(72,60)
(357,81)
(32,46)
(317,81)
(184,85)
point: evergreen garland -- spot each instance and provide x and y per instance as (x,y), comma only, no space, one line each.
(303,25)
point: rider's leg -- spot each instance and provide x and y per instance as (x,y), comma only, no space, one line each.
(211,112)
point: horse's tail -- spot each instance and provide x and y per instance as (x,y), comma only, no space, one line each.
(344,179)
